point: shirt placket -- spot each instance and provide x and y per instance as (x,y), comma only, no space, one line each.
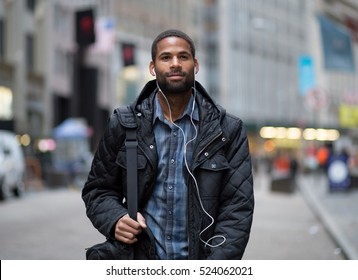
(171,188)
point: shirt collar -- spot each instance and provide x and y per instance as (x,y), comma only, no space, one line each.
(158,112)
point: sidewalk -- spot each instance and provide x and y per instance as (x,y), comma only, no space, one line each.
(338,211)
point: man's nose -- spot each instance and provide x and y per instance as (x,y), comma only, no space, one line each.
(176,62)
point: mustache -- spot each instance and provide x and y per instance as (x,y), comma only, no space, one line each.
(175,73)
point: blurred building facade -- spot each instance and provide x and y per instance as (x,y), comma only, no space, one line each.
(337,61)
(258,60)
(40,60)
(22,78)
(286,66)
(264,60)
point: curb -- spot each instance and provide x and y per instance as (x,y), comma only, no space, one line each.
(331,226)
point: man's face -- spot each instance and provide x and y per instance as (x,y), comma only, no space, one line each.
(174,65)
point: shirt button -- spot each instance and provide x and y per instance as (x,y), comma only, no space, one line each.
(171,187)
(170,212)
(172,161)
(175,134)
(213,166)
(206,154)
(169,237)
(151,147)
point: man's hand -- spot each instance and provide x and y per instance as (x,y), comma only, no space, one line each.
(127,229)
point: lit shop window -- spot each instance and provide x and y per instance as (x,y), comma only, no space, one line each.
(6,99)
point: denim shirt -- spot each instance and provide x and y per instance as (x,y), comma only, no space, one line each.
(166,213)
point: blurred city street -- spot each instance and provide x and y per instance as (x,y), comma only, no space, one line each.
(51,224)
(338,211)
(47,224)
(310,223)
(287,69)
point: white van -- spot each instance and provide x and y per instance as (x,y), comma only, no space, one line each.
(12,165)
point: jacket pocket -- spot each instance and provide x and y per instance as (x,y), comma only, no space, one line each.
(216,163)
(211,175)
(121,160)
(143,176)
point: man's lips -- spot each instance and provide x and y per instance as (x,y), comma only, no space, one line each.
(175,76)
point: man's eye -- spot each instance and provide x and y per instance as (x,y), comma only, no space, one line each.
(183,57)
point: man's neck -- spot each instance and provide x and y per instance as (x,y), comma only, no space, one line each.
(177,103)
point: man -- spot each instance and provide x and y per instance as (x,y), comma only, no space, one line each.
(195,186)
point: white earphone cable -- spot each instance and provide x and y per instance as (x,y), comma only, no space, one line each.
(188,169)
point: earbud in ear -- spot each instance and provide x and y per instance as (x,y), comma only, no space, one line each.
(195,70)
(154,74)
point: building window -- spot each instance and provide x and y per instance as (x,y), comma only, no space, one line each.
(2,39)
(31,4)
(29,51)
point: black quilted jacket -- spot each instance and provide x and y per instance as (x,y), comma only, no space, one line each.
(221,165)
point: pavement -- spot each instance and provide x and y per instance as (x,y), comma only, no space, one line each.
(337,210)
(285,227)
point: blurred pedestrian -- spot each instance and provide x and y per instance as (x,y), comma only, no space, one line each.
(322,156)
(281,164)
(293,169)
(195,181)
(338,171)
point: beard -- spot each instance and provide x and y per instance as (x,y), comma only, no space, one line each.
(175,87)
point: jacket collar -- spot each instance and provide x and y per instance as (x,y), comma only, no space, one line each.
(208,109)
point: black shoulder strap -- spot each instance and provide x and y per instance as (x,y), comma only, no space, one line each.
(132,185)
(127,119)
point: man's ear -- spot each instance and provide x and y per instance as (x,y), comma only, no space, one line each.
(152,69)
(196,66)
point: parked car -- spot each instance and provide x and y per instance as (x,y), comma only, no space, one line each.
(12,166)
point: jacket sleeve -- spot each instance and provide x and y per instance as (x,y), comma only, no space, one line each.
(102,192)
(236,208)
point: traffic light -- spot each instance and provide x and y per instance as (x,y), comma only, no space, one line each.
(85,30)
(128,51)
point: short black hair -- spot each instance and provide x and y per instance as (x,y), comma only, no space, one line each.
(172,33)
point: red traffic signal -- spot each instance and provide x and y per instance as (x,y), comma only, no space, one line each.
(85,30)
(128,52)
